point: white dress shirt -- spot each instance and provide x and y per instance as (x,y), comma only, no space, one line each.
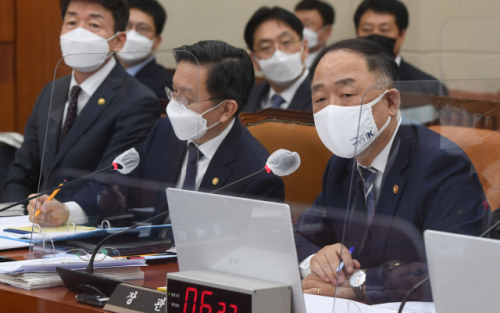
(379,163)
(133,70)
(89,86)
(208,149)
(287,94)
(398,60)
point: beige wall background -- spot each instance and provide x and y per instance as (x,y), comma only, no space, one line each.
(468,48)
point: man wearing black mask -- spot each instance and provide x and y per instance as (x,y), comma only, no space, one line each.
(385,22)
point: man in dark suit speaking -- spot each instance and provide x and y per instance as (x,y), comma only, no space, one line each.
(201,145)
(397,170)
(274,37)
(96,113)
(144,28)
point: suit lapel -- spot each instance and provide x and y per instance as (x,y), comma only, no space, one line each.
(302,99)
(226,153)
(92,110)
(144,73)
(59,98)
(393,185)
(357,233)
(258,93)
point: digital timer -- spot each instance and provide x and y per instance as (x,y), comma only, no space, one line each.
(213,292)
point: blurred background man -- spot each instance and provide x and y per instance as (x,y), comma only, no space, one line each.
(274,37)
(318,18)
(385,22)
(145,25)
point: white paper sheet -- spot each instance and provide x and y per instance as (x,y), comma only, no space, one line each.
(12,244)
(320,304)
(410,307)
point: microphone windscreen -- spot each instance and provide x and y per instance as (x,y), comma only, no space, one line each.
(283,162)
(128,161)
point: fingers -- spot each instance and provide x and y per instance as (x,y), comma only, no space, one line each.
(320,265)
(347,259)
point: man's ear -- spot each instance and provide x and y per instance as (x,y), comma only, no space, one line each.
(229,110)
(119,41)
(157,43)
(256,66)
(393,101)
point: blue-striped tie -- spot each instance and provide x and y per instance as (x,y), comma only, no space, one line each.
(369,177)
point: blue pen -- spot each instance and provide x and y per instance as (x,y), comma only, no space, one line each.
(341,265)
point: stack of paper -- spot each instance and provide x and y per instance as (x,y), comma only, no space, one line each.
(14,211)
(51,279)
(40,273)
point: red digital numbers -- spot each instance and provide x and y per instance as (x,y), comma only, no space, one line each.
(203,304)
(204,307)
(195,291)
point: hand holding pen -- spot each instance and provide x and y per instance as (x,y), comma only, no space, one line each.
(333,262)
(47,211)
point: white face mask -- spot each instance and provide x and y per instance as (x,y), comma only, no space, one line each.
(337,127)
(311,36)
(188,124)
(282,68)
(83,50)
(137,47)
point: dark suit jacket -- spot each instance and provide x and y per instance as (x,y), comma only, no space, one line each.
(429,84)
(100,133)
(162,155)
(430,185)
(156,78)
(301,101)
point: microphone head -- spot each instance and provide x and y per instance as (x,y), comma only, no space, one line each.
(283,162)
(127,161)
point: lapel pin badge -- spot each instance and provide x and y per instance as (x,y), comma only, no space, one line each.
(215,181)
(101,101)
(395,189)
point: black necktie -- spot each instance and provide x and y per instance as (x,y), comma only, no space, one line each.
(369,177)
(72,113)
(191,167)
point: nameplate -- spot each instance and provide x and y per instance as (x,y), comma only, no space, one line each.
(134,299)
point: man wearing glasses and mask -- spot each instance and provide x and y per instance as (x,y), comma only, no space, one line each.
(144,28)
(201,145)
(274,37)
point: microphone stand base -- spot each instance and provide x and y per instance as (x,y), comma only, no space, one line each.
(73,279)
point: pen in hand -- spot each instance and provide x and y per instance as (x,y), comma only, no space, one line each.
(54,193)
(341,265)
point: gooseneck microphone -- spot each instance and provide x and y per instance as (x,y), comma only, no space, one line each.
(419,284)
(124,163)
(281,163)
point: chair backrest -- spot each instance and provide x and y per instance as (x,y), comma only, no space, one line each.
(294,131)
(482,146)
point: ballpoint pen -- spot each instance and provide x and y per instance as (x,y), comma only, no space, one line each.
(341,265)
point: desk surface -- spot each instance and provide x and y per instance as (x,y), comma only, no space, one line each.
(59,299)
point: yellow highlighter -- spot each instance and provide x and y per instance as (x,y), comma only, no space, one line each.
(54,193)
